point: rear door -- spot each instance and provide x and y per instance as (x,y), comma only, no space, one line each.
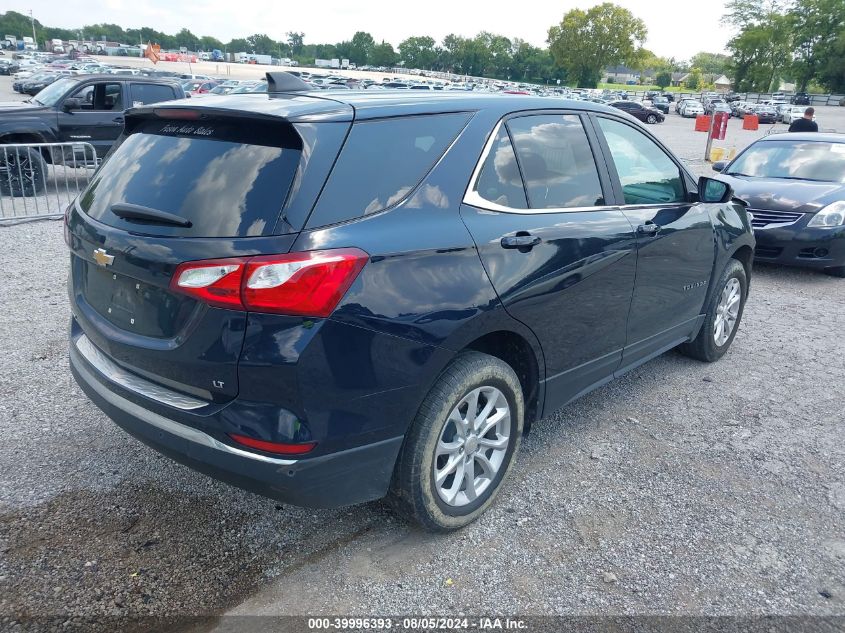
(561,260)
(229,179)
(675,240)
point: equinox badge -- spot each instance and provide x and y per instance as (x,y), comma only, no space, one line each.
(102,257)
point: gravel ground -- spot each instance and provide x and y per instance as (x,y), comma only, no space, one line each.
(682,488)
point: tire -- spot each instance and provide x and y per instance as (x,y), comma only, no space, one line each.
(415,492)
(651,119)
(23,172)
(835,271)
(707,346)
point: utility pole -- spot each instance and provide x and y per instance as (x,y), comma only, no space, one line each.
(32,20)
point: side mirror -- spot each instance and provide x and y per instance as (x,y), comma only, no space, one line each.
(72,103)
(710,190)
(719,165)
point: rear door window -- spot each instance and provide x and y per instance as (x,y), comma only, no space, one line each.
(382,161)
(557,161)
(227,179)
(500,181)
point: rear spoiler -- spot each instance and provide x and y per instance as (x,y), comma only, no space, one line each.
(285,82)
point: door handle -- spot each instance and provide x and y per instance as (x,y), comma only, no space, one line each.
(649,228)
(524,241)
(118,119)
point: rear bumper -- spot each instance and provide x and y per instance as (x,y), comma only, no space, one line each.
(793,245)
(341,478)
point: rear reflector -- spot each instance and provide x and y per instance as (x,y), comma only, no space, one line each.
(299,284)
(274,447)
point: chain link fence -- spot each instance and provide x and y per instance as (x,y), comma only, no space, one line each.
(39,180)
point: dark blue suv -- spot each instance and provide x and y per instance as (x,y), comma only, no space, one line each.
(329,298)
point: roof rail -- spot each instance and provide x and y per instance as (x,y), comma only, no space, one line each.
(285,82)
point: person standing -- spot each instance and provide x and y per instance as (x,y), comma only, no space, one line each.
(805,123)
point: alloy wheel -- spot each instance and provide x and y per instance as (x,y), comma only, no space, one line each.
(727,311)
(472,446)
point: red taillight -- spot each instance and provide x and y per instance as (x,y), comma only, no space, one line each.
(303,284)
(300,284)
(215,281)
(274,447)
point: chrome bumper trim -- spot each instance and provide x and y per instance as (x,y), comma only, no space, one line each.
(170,426)
(120,376)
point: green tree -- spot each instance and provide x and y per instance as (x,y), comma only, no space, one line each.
(761,50)
(262,44)
(383,55)
(18,24)
(418,52)
(207,43)
(832,66)
(694,80)
(239,45)
(663,79)
(499,58)
(295,42)
(361,48)
(474,56)
(585,42)
(185,38)
(711,63)
(343,50)
(450,52)
(816,26)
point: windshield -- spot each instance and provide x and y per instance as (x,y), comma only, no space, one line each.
(803,160)
(51,94)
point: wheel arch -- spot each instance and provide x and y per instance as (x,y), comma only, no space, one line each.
(515,350)
(745,255)
(28,136)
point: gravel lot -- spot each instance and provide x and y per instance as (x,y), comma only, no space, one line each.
(682,488)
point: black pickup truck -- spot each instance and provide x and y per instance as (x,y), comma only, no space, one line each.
(84,108)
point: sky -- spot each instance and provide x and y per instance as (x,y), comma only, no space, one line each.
(676,29)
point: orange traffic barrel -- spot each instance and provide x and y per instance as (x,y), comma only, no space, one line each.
(750,122)
(702,123)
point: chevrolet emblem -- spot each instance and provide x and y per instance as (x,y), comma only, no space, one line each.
(102,257)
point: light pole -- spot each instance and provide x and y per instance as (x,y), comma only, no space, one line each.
(32,20)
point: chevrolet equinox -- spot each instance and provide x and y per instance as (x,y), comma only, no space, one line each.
(329,298)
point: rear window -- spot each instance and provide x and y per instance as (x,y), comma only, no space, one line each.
(228,179)
(382,162)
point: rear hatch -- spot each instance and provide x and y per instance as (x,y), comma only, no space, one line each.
(184,185)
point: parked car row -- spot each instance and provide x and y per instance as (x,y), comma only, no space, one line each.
(689,108)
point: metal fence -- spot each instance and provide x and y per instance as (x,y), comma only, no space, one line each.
(39,180)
